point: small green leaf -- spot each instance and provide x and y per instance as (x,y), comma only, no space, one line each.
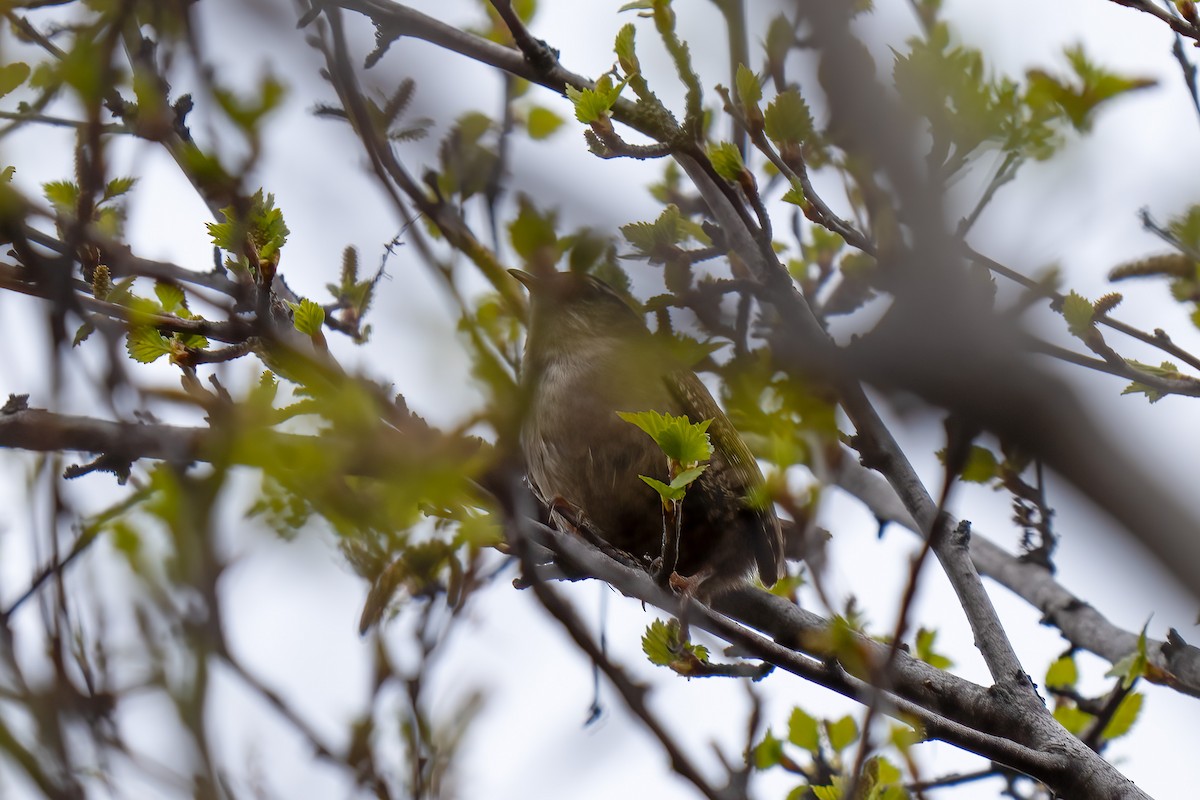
(1132,666)
(803,731)
(981,466)
(63,195)
(1079,314)
(1124,717)
(1166,369)
(12,76)
(1078,99)
(592,105)
(662,646)
(925,641)
(833,792)
(170,296)
(658,241)
(145,345)
(685,478)
(624,48)
(117,187)
(262,226)
(307,317)
(542,122)
(1063,673)
(1073,719)
(680,439)
(788,119)
(82,333)
(767,753)
(246,113)
(533,233)
(726,160)
(667,493)
(842,733)
(749,90)
(781,36)
(795,196)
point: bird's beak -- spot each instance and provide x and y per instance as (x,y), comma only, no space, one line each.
(526,280)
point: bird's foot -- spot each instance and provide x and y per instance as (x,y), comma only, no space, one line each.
(570,519)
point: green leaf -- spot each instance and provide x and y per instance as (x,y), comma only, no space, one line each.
(658,241)
(145,345)
(726,160)
(882,780)
(533,234)
(749,90)
(1166,369)
(1079,314)
(247,113)
(467,159)
(12,76)
(803,731)
(63,195)
(1132,666)
(1186,227)
(170,296)
(1093,85)
(262,226)
(662,646)
(842,733)
(117,187)
(795,196)
(981,466)
(788,119)
(624,48)
(542,122)
(667,493)
(82,333)
(593,105)
(781,35)
(925,641)
(767,753)
(680,439)
(903,737)
(685,478)
(1073,719)
(658,641)
(1063,673)
(833,792)
(1124,717)
(307,317)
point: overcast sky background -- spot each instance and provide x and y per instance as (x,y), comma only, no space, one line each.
(298,606)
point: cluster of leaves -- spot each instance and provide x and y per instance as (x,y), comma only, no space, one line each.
(144,343)
(107,213)
(969,109)
(255,231)
(1098,720)
(685,444)
(1082,316)
(818,750)
(781,419)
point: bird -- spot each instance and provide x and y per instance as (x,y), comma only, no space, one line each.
(589,355)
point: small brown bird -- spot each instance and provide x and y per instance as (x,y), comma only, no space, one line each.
(589,355)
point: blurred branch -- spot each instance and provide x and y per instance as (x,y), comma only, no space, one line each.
(1078,621)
